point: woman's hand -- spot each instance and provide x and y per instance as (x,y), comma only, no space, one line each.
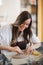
(29,50)
(12,49)
(16,49)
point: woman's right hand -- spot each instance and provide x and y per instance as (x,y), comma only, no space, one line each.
(16,49)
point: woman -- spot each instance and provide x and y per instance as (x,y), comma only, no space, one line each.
(21,34)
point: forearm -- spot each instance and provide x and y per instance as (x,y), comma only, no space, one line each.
(12,49)
(6,48)
(36,45)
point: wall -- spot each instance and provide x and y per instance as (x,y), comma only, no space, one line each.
(40,20)
(10,10)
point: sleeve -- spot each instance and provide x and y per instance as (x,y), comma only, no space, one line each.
(5,35)
(34,39)
(1,39)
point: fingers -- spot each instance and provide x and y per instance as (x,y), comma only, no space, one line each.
(18,50)
(29,50)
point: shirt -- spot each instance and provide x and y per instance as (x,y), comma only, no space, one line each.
(6,36)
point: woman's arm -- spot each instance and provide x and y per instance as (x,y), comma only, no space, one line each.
(12,49)
(36,45)
(35,41)
(5,38)
(33,47)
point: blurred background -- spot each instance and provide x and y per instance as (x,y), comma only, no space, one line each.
(10,9)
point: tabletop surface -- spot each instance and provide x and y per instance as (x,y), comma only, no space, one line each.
(25,59)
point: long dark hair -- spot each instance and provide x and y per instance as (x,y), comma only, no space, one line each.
(20,20)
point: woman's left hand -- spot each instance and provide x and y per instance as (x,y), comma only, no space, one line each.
(29,50)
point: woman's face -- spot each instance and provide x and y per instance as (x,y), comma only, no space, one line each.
(24,25)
